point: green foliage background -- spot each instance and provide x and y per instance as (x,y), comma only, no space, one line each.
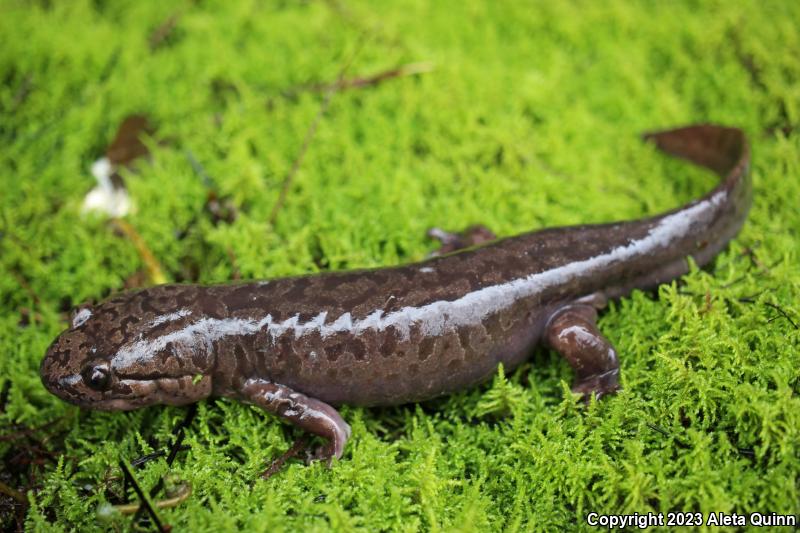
(529,119)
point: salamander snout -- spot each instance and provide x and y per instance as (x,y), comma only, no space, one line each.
(112,359)
(93,382)
(63,375)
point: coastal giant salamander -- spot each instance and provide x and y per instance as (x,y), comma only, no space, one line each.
(299,346)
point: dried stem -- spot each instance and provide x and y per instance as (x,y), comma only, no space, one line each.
(184,491)
(154,271)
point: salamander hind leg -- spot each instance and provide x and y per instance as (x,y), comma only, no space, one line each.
(572,332)
(304,412)
(472,236)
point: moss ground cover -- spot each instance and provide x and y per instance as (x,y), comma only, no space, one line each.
(529,118)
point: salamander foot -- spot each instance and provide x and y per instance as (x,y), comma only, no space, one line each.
(600,385)
(572,331)
(472,236)
(304,412)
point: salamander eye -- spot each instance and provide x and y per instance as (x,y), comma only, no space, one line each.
(97,377)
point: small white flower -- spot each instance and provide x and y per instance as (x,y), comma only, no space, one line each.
(106,198)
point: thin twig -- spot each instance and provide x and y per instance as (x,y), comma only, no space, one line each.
(658,429)
(665,433)
(752,297)
(782,312)
(139,461)
(4,392)
(199,169)
(410,69)
(126,471)
(163,31)
(287,181)
(312,130)
(179,433)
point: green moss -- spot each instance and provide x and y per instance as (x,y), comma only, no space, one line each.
(530,119)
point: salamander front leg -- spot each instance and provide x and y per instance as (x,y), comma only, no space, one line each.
(306,413)
(572,331)
(472,236)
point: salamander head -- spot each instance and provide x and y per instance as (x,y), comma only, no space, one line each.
(122,355)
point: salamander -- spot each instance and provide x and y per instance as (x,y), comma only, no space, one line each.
(300,346)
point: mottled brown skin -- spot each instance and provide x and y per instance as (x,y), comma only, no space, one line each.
(298,346)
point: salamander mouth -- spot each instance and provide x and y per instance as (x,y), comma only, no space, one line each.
(132,393)
(127,394)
